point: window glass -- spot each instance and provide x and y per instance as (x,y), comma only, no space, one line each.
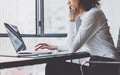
(55,16)
(18,12)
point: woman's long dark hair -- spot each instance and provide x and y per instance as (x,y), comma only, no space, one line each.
(88,4)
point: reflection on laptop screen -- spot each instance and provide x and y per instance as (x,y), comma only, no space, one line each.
(15,37)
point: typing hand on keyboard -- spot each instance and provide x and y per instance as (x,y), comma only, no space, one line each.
(45,46)
(45,51)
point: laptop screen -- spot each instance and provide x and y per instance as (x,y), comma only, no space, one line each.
(15,37)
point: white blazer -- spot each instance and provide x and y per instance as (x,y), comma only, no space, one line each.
(93,35)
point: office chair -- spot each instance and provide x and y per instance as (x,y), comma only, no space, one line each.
(118,42)
(113,63)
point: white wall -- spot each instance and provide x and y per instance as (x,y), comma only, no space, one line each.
(112,12)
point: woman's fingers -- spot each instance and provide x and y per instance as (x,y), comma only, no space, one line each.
(72,14)
(41,46)
(45,44)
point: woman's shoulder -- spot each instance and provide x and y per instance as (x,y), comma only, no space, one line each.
(96,12)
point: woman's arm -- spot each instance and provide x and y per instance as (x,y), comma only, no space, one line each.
(88,27)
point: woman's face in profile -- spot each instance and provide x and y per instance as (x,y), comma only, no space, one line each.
(73,3)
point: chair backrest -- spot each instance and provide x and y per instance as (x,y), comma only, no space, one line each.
(118,42)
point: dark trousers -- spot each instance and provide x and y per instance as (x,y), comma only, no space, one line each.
(66,68)
(62,68)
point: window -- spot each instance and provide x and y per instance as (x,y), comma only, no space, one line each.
(55,16)
(20,13)
(35,17)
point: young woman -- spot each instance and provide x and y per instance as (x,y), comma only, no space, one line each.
(93,35)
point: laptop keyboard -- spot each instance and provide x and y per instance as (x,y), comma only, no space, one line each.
(25,53)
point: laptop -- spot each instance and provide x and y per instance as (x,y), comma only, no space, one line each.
(19,44)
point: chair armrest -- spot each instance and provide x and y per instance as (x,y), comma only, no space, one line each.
(104,62)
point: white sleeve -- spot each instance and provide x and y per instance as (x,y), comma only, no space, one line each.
(71,34)
(87,28)
(71,30)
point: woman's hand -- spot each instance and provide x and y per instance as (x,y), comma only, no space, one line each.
(73,14)
(45,46)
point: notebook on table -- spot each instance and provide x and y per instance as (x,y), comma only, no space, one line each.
(19,44)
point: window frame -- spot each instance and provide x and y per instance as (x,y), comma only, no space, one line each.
(39,23)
